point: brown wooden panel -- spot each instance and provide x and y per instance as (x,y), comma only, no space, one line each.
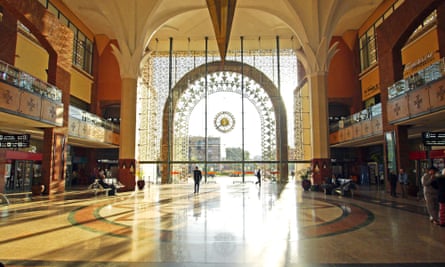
(74,126)
(437,94)
(341,135)
(348,133)
(9,97)
(398,108)
(333,138)
(116,138)
(366,127)
(357,130)
(419,101)
(52,112)
(30,104)
(377,125)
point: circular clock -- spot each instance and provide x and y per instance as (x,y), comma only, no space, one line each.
(224,121)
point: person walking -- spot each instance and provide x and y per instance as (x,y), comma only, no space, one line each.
(430,193)
(197,176)
(258,176)
(403,181)
(393,183)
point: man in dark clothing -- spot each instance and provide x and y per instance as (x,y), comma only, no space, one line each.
(258,175)
(393,183)
(101,181)
(197,176)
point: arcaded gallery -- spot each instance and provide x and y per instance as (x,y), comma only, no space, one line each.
(222,133)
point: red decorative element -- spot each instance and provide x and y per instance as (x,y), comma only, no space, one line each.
(319,174)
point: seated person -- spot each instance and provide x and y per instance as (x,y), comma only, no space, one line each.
(101,181)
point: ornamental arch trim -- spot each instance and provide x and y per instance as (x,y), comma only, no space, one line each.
(250,73)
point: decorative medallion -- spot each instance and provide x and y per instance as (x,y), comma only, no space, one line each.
(224,121)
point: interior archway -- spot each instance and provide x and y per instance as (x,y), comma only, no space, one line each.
(272,92)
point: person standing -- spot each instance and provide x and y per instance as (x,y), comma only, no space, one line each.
(441,197)
(197,176)
(393,183)
(258,176)
(430,193)
(403,180)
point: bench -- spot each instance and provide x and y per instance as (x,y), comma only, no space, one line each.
(98,188)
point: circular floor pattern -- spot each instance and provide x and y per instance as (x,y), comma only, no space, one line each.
(121,222)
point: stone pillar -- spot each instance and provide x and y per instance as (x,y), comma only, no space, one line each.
(321,162)
(54,160)
(127,154)
(402,149)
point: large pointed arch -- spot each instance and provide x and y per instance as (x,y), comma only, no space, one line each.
(236,67)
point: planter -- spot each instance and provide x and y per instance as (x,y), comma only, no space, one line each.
(306,184)
(140,184)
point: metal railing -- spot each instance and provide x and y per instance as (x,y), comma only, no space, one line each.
(90,118)
(429,74)
(366,114)
(23,80)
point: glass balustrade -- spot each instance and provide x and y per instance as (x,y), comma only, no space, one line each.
(90,118)
(429,74)
(366,114)
(25,81)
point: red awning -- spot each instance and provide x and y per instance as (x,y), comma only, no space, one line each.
(20,155)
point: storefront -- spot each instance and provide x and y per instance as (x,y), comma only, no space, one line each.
(20,170)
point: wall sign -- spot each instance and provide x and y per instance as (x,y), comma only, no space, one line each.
(14,140)
(433,138)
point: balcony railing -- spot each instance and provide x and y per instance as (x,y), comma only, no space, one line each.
(23,80)
(92,119)
(429,74)
(366,114)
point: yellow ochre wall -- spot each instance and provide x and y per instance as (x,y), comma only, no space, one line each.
(421,53)
(81,83)
(370,84)
(28,49)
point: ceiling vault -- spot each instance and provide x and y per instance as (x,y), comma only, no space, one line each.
(221,14)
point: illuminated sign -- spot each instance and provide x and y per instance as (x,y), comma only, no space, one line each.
(14,140)
(433,139)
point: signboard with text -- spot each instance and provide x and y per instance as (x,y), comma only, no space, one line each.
(14,140)
(433,138)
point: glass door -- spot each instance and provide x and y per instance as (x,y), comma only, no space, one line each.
(19,175)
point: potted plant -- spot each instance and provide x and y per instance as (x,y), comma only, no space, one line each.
(305,178)
(140,182)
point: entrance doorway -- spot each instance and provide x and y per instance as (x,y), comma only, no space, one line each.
(22,169)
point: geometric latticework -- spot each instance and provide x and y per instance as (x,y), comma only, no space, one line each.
(229,82)
(170,85)
(147,117)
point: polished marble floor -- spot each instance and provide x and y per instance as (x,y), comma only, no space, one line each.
(226,224)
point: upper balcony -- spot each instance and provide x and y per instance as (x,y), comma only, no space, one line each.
(38,103)
(28,105)
(87,129)
(417,101)
(352,130)
(423,93)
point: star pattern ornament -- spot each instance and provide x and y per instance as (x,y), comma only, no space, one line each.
(224,121)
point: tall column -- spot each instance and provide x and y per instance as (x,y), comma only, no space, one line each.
(127,148)
(319,123)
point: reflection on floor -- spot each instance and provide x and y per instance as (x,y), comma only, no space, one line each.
(226,224)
